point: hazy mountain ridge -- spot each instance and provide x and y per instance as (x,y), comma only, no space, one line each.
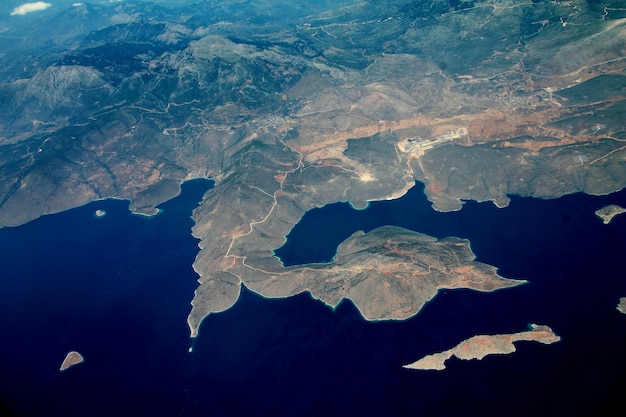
(174,66)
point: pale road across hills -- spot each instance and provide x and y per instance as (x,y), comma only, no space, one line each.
(290,116)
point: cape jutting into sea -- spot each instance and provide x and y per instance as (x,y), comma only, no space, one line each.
(117,289)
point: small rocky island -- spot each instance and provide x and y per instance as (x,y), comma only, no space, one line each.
(621,307)
(71,359)
(609,212)
(478,347)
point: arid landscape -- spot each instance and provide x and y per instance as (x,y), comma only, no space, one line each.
(495,98)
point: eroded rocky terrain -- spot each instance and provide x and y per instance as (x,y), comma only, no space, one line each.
(478,347)
(300,107)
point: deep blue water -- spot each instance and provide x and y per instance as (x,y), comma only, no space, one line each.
(117,289)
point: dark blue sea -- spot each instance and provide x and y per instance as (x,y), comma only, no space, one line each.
(117,289)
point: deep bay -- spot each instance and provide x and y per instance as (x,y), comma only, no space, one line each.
(117,289)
